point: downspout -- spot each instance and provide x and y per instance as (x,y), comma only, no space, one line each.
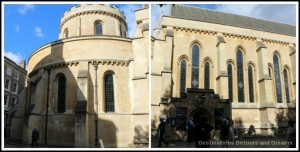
(28,85)
(46,122)
(96,102)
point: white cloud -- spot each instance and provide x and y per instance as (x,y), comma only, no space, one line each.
(24,8)
(284,13)
(17,27)
(130,17)
(156,11)
(38,32)
(14,57)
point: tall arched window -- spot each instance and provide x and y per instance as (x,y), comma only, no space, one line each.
(251,85)
(109,93)
(286,83)
(98,28)
(195,66)
(206,75)
(240,75)
(61,93)
(230,84)
(182,75)
(277,78)
(66,33)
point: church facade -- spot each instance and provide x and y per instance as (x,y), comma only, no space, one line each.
(246,62)
(90,87)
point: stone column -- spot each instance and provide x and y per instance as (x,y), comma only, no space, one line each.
(81,128)
(222,77)
(292,50)
(265,92)
(166,80)
(140,91)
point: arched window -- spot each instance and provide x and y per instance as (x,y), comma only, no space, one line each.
(230,84)
(182,75)
(240,75)
(251,85)
(206,75)
(109,93)
(98,28)
(286,83)
(61,93)
(277,78)
(66,33)
(195,66)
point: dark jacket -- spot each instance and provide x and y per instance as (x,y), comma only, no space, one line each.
(35,135)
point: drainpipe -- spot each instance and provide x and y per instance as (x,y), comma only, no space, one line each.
(28,86)
(96,102)
(47,105)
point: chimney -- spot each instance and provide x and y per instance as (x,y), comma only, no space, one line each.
(145,6)
(23,64)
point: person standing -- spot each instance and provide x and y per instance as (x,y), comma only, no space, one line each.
(34,137)
(202,134)
(224,133)
(291,134)
(161,132)
(190,127)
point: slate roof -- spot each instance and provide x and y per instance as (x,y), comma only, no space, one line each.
(204,15)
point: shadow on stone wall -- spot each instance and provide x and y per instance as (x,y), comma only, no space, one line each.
(238,124)
(59,128)
(141,137)
(282,118)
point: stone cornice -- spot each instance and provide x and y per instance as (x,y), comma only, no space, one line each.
(239,36)
(192,30)
(275,42)
(53,66)
(230,35)
(100,12)
(110,62)
(75,63)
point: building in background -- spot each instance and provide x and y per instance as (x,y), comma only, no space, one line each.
(223,65)
(14,82)
(90,87)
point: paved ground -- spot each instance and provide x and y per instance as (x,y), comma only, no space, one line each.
(11,144)
(246,142)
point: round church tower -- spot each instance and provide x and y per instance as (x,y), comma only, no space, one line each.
(93,20)
(80,87)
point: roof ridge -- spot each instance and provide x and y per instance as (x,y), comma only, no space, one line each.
(231,13)
(226,18)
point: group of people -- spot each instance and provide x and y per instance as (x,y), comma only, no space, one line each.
(200,132)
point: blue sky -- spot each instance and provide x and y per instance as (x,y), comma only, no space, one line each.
(30,26)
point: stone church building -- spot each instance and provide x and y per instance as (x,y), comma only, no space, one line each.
(222,65)
(90,87)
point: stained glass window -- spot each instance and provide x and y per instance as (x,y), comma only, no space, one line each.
(182,75)
(251,90)
(230,92)
(240,76)
(287,89)
(61,93)
(207,76)
(98,28)
(66,33)
(277,78)
(109,93)
(195,66)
